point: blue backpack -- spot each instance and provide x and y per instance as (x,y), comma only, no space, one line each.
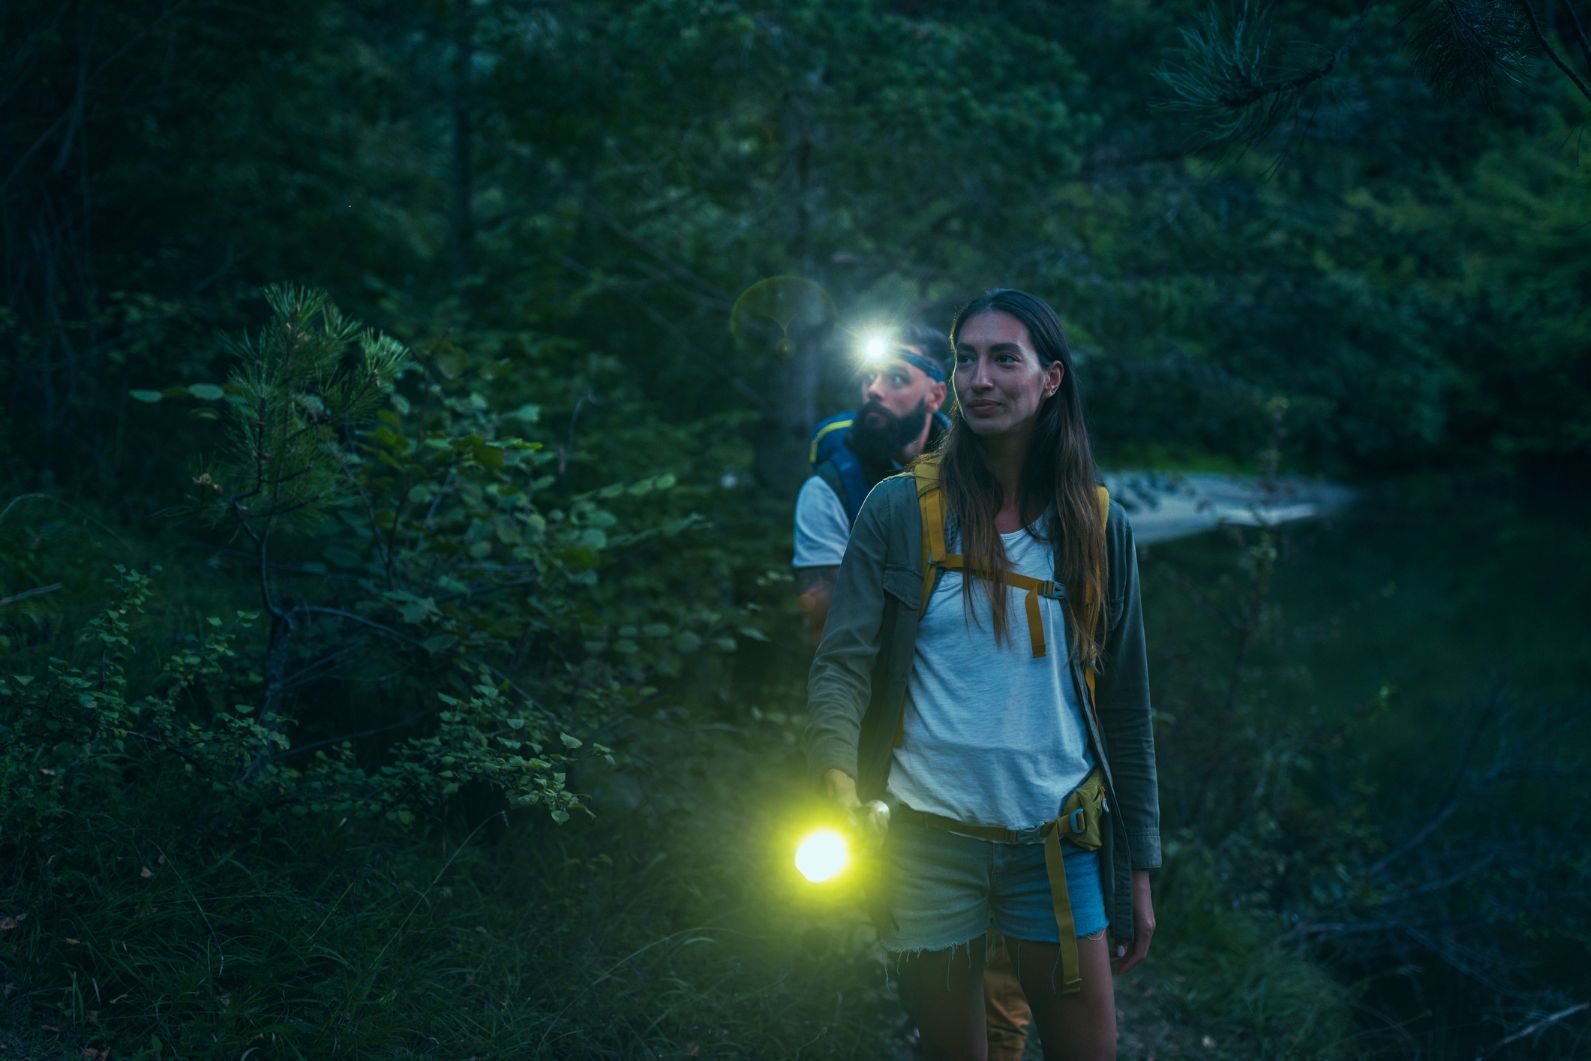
(838,465)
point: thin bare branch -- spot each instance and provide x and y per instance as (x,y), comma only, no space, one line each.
(1532,1029)
(1552,53)
(37,591)
(1579,34)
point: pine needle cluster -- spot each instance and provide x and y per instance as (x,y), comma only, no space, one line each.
(299,385)
(1221,77)
(1469,46)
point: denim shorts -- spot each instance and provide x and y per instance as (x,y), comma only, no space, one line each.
(943,889)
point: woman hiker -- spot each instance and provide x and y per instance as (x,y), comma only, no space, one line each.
(983,673)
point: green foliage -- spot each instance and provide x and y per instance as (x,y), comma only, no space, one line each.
(78,733)
(477,565)
(140,934)
(1231,972)
(81,732)
(516,609)
(508,611)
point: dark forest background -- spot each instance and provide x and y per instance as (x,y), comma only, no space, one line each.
(403,409)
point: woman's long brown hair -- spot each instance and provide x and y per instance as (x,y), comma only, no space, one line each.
(1059,469)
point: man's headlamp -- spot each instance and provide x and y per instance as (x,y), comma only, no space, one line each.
(878,347)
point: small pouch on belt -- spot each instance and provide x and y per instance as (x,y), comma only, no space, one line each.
(1080,823)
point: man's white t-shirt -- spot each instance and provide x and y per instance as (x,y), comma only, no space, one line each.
(992,735)
(821,526)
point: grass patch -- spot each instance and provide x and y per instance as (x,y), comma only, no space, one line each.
(1228,974)
(669,926)
(663,930)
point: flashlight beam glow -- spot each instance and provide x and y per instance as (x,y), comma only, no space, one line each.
(822,856)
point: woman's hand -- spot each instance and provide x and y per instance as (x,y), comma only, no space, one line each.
(871,819)
(1125,956)
(840,787)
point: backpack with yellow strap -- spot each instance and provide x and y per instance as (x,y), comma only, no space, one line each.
(1082,811)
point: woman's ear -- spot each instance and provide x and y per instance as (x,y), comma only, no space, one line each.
(1053,374)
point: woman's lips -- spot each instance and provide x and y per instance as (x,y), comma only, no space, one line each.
(982,406)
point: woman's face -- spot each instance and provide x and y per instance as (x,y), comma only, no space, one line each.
(1000,382)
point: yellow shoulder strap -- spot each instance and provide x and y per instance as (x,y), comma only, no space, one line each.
(931,507)
(812,450)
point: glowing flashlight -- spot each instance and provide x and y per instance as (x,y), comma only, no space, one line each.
(826,853)
(822,855)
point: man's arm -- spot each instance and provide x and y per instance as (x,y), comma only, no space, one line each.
(821,533)
(816,586)
(840,682)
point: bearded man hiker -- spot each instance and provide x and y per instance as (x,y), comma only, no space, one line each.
(902,388)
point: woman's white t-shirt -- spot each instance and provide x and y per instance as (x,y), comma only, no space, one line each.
(992,735)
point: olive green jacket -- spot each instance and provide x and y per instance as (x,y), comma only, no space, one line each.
(856,691)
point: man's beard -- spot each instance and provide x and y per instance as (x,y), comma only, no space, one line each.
(878,434)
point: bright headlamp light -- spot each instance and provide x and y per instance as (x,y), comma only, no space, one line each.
(875,347)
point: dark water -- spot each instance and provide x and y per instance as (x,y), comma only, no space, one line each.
(1425,657)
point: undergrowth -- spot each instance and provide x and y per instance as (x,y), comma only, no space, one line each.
(666,926)
(659,930)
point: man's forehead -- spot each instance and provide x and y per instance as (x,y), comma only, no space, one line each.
(894,361)
(901,356)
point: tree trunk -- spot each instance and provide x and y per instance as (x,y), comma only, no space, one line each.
(461,219)
(805,312)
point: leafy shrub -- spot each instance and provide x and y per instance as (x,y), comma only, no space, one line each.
(451,617)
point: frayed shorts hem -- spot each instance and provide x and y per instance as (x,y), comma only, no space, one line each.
(897,951)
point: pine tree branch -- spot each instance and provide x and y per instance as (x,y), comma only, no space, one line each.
(1579,34)
(1541,38)
(1221,77)
(1308,77)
